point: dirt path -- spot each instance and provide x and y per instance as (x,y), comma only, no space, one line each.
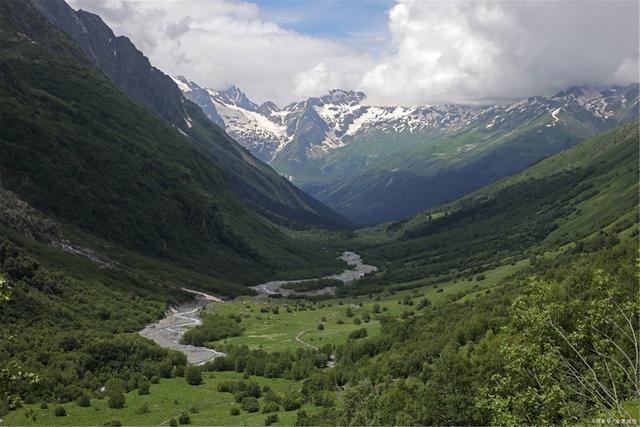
(168,331)
(357,269)
(297,338)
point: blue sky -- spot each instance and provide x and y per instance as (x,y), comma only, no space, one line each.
(361,23)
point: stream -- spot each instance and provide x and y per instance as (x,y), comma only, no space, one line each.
(168,331)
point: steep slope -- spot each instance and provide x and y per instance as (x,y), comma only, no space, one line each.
(583,195)
(375,163)
(254,183)
(77,149)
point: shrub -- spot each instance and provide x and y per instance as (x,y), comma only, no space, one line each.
(44,405)
(270,406)
(193,374)
(357,321)
(173,422)
(234,411)
(83,400)
(60,412)
(291,402)
(250,404)
(184,418)
(320,326)
(273,418)
(116,401)
(155,379)
(143,386)
(358,333)
(113,423)
(178,371)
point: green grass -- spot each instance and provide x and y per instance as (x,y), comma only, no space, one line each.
(276,332)
(167,400)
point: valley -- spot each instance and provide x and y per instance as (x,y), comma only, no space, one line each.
(172,254)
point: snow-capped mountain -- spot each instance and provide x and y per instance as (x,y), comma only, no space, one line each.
(316,126)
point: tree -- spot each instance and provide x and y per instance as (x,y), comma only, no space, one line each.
(193,375)
(143,386)
(116,400)
(250,404)
(83,400)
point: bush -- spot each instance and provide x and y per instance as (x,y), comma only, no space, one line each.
(113,423)
(214,327)
(270,406)
(320,326)
(83,400)
(143,386)
(155,379)
(273,418)
(357,321)
(60,412)
(358,333)
(234,411)
(291,402)
(116,401)
(184,418)
(173,422)
(178,371)
(193,375)
(250,404)
(44,405)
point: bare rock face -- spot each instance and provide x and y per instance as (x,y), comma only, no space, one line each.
(18,215)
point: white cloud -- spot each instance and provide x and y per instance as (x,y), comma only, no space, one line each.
(491,51)
(454,51)
(220,43)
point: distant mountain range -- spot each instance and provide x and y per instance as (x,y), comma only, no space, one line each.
(410,158)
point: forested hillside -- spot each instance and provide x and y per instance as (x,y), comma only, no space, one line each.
(588,192)
(77,149)
(251,180)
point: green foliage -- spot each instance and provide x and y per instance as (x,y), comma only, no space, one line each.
(60,411)
(173,422)
(193,375)
(84,400)
(116,400)
(250,404)
(99,350)
(214,327)
(312,285)
(270,406)
(234,411)
(143,386)
(271,419)
(184,418)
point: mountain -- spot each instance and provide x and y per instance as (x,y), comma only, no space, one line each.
(579,196)
(376,163)
(120,180)
(255,183)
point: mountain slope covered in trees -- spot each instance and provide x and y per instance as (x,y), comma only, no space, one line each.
(79,150)
(255,183)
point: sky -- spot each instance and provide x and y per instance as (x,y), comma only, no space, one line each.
(399,52)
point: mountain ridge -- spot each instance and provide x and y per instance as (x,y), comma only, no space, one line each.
(256,184)
(411,158)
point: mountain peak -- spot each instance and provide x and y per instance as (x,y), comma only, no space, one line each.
(234,96)
(340,96)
